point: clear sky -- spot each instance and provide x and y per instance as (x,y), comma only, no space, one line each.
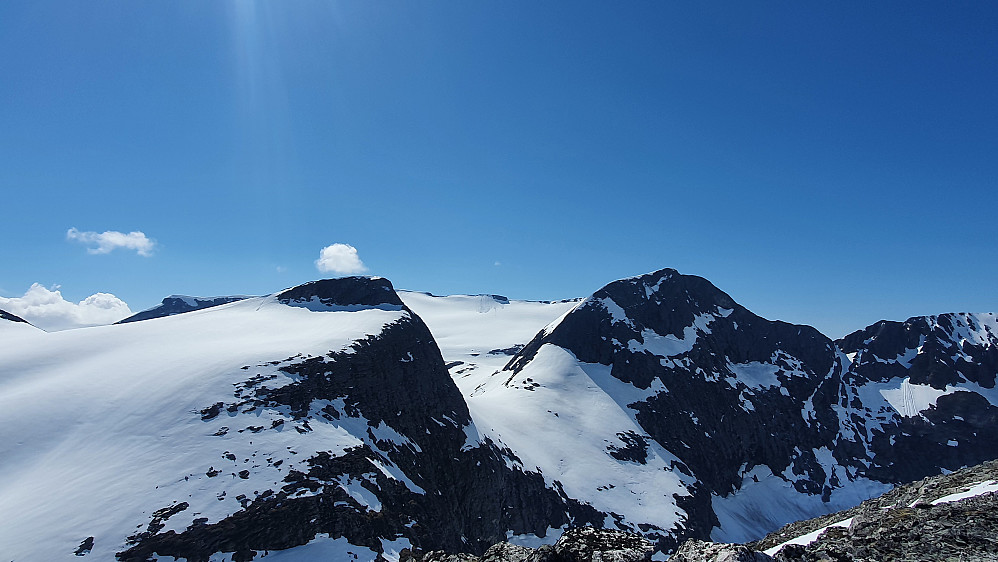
(829,163)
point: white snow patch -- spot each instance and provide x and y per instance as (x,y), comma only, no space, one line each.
(393,549)
(754,375)
(617,314)
(975,490)
(529,540)
(910,399)
(357,491)
(808,538)
(320,548)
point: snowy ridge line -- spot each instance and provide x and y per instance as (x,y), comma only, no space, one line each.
(133,393)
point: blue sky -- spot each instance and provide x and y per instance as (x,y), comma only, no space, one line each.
(823,163)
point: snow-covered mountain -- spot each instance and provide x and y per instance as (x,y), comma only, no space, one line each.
(268,423)
(712,420)
(329,420)
(179,304)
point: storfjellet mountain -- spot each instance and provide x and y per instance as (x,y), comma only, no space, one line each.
(347,420)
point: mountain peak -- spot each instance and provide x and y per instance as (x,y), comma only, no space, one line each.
(179,304)
(350,292)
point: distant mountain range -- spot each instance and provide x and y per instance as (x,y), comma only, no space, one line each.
(344,419)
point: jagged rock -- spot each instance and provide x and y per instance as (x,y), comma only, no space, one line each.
(506,552)
(441,556)
(86,546)
(588,544)
(701,551)
(579,544)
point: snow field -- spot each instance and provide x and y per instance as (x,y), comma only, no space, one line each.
(102,426)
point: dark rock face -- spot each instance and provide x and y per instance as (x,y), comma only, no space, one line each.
(344,291)
(179,305)
(4,315)
(460,495)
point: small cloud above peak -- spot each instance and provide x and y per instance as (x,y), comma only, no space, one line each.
(107,241)
(341,259)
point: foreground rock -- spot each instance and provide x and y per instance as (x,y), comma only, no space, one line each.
(703,551)
(584,544)
(935,519)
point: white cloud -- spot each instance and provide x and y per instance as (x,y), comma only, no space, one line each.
(105,242)
(341,259)
(48,310)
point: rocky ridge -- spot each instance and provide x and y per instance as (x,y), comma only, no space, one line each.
(580,544)
(928,520)
(179,304)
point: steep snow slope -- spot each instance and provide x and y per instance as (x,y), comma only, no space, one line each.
(103,426)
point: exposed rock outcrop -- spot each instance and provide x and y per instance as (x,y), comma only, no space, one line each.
(579,544)
(179,304)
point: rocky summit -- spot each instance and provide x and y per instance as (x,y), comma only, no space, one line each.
(341,419)
(179,304)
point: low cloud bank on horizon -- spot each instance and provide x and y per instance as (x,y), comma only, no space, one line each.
(48,310)
(107,241)
(341,259)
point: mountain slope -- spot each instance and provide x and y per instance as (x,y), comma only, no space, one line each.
(329,420)
(321,416)
(760,422)
(179,304)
